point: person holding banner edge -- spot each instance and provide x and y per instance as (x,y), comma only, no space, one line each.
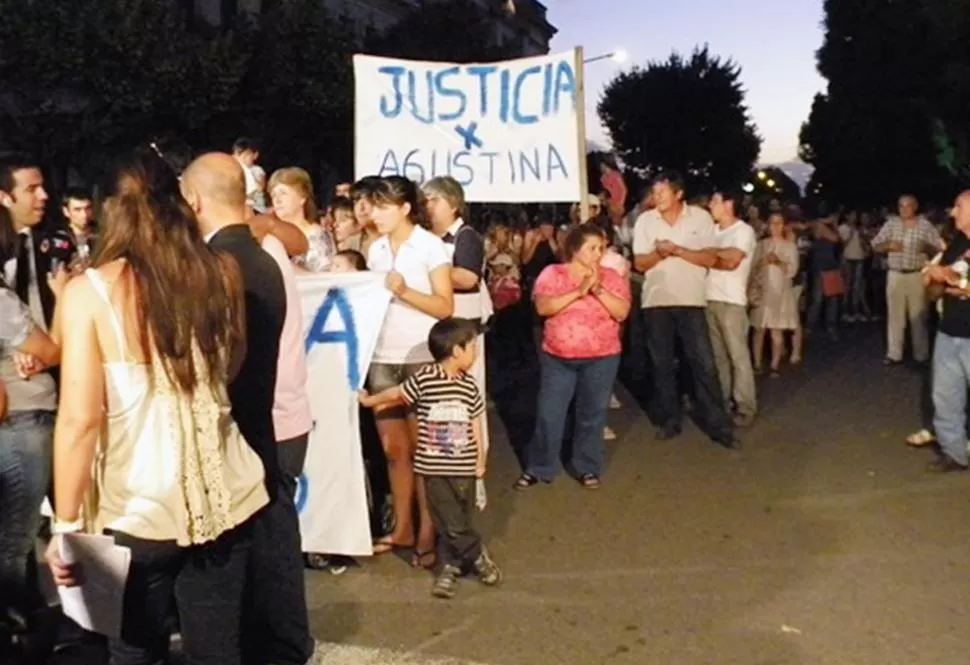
(445,205)
(419,276)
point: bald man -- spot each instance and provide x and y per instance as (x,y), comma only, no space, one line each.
(276,624)
(951,356)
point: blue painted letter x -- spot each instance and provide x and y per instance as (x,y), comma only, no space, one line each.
(468,134)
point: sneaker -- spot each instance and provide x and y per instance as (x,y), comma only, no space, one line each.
(615,403)
(487,570)
(446,584)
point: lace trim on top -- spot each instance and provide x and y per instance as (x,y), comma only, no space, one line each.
(194,424)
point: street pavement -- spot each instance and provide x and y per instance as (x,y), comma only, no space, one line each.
(824,541)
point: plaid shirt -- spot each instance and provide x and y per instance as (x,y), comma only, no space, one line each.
(914,239)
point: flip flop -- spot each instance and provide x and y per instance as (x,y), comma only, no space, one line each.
(424,560)
(385,545)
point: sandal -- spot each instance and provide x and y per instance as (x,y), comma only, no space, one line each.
(526,481)
(424,560)
(590,481)
(924,437)
(385,546)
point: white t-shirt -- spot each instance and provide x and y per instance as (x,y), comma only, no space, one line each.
(674,282)
(404,336)
(731,286)
(853,249)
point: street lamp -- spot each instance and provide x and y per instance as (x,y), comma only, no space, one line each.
(618,56)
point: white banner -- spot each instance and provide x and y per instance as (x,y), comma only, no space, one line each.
(507,131)
(343,315)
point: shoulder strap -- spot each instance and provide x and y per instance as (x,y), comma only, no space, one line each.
(101,288)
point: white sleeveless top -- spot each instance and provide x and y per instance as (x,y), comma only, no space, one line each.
(169,465)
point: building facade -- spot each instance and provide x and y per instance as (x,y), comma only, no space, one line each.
(528,29)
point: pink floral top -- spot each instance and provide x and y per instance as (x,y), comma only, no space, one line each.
(584,329)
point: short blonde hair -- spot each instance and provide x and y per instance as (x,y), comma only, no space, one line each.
(298,179)
(449,189)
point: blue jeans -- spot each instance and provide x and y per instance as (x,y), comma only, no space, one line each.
(26,439)
(590,381)
(951,374)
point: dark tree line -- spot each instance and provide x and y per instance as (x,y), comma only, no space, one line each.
(894,117)
(81,80)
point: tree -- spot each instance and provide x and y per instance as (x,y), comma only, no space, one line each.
(890,114)
(443,31)
(296,93)
(119,71)
(683,113)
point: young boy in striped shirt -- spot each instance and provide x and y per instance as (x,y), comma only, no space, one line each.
(449,457)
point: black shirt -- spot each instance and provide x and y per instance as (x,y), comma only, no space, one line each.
(251,393)
(469,252)
(955,318)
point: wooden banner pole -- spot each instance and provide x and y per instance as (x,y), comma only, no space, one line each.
(581,134)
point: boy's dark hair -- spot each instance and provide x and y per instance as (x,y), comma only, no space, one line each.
(448,334)
(356,259)
(245,144)
(342,203)
(77,194)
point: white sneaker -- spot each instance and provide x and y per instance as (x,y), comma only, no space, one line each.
(615,403)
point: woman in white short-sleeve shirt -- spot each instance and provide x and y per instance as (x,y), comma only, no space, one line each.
(419,275)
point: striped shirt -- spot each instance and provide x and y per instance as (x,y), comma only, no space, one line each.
(446,408)
(914,240)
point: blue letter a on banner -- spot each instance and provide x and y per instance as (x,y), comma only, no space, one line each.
(318,334)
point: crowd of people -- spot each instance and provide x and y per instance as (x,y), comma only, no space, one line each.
(179,424)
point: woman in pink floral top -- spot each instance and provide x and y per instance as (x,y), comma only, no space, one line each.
(583,304)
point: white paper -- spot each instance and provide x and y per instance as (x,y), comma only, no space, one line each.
(481,500)
(97,603)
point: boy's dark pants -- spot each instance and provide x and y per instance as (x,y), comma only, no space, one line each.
(451,501)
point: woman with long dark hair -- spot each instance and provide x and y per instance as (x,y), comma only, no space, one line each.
(419,275)
(145,364)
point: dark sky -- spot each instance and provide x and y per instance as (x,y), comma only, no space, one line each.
(774,41)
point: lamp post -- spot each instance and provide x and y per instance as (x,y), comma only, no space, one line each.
(618,56)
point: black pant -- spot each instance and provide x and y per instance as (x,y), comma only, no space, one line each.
(207,584)
(451,501)
(665,326)
(277,625)
(292,455)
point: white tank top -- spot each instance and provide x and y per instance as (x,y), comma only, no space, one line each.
(169,465)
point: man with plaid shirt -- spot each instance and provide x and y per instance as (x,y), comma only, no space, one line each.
(908,240)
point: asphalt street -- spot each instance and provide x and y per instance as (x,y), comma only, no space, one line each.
(824,541)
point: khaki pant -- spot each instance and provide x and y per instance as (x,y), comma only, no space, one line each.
(728,325)
(906,302)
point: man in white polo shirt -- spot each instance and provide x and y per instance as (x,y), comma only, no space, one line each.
(727,306)
(671,246)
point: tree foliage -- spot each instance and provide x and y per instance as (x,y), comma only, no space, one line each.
(443,31)
(82,79)
(683,113)
(893,118)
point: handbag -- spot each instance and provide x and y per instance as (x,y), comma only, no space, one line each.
(833,284)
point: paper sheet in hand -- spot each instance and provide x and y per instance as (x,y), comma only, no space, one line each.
(96,604)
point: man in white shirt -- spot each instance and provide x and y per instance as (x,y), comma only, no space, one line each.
(671,246)
(727,306)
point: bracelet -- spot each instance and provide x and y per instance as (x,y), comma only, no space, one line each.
(59,526)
